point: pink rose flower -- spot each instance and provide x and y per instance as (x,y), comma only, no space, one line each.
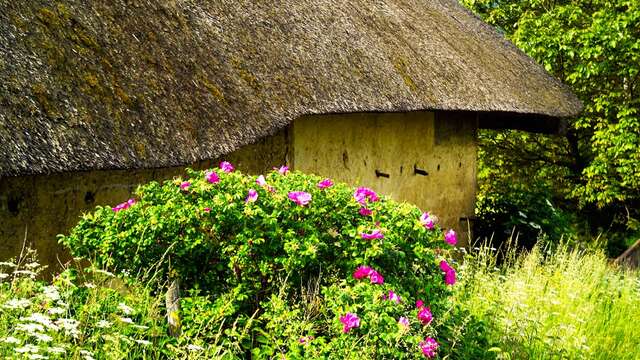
(427,221)
(212,177)
(403,322)
(365,212)
(362,272)
(424,315)
(375,234)
(451,238)
(349,321)
(376,278)
(125,205)
(226,167)
(326,183)
(305,340)
(429,347)
(449,273)
(261,181)
(300,197)
(363,194)
(185,185)
(419,304)
(252,196)
(393,297)
(450,277)
(283,170)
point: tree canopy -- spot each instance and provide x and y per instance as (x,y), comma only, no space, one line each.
(594,47)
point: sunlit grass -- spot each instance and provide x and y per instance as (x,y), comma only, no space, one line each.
(560,304)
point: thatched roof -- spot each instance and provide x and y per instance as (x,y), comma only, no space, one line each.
(100,84)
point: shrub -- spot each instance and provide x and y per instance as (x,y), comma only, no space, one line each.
(249,247)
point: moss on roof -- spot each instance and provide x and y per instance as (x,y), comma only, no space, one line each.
(121,84)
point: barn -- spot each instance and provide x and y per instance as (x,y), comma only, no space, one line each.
(97,97)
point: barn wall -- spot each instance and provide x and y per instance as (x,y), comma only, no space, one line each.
(46,205)
(351,147)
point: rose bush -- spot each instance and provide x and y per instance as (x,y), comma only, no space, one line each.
(244,242)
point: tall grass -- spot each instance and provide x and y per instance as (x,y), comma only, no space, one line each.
(552,304)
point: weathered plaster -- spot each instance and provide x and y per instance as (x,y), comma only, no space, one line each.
(351,147)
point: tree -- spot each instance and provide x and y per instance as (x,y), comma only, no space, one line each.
(593,46)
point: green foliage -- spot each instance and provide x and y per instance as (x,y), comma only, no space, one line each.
(266,273)
(526,210)
(594,46)
(550,304)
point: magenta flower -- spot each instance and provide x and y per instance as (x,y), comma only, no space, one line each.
(207,210)
(252,196)
(427,221)
(403,322)
(283,170)
(363,194)
(393,297)
(450,277)
(451,238)
(305,340)
(444,266)
(429,347)
(419,304)
(226,167)
(449,273)
(365,212)
(212,177)
(362,272)
(376,278)
(261,181)
(349,321)
(185,185)
(425,316)
(375,234)
(125,205)
(300,197)
(326,183)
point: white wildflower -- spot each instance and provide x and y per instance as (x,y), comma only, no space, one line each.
(89,285)
(56,311)
(7,264)
(192,347)
(17,304)
(40,319)
(51,293)
(70,326)
(126,320)
(103,324)
(25,272)
(143,342)
(32,265)
(42,337)
(3,276)
(30,328)
(56,350)
(37,356)
(125,309)
(11,340)
(88,355)
(28,348)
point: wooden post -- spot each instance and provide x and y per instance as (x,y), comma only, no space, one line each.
(172,300)
(631,257)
